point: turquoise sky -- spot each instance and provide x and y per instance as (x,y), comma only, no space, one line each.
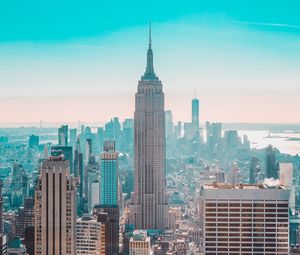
(80,60)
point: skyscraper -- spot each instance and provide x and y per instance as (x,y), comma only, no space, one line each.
(109,196)
(271,168)
(55,209)
(254,164)
(149,203)
(109,175)
(195,112)
(63,135)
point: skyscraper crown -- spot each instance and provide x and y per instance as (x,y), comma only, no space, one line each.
(149,73)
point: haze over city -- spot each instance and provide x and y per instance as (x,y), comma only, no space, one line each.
(67,62)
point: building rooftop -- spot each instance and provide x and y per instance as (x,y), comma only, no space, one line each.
(216,185)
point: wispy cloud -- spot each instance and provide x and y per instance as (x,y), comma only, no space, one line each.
(265,24)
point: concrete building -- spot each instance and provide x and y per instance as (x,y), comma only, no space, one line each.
(286,179)
(55,208)
(139,243)
(88,236)
(149,209)
(245,219)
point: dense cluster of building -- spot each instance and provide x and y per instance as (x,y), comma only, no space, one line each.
(146,186)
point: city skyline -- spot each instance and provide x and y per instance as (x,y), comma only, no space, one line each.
(233,58)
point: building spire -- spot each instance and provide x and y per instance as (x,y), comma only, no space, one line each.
(150,36)
(149,73)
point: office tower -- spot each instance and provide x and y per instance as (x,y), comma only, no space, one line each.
(286,179)
(286,174)
(29,240)
(178,130)
(63,135)
(25,217)
(1,220)
(270,167)
(128,136)
(34,141)
(88,236)
(231,138)
(139,243)
(149,203)
(55,208)
(220,177)
(79,176)
(253,169)
(88,150)
(109,175)
(94,193)
(67,152)
(109,195)
(73,137)
(92,176)
(233,174)
(169,124)
(109,218)
(78,164)
(195,112)
(213,133)
(245,219)
(100,138)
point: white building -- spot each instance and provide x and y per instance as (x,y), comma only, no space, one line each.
(245,219)
(95,193)
(139,243)
(88,236)
(286,179)
(286,174)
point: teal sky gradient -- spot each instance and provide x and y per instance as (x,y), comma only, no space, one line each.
(80,60)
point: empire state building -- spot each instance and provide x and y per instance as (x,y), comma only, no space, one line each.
(149,205)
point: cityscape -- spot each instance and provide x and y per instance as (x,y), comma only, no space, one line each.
(150,183)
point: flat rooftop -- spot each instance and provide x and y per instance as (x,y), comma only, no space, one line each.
(240,186)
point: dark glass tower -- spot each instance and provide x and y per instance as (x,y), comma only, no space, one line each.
(271,168)
(149,202)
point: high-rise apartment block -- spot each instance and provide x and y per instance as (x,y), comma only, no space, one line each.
(245,219)
(55,208)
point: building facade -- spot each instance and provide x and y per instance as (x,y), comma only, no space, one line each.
(88,236)
(149,209)
(245,219)
(139,243)
(55,208)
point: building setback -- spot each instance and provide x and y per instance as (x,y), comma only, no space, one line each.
(148,209)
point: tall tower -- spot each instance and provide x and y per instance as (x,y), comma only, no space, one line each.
(109,196)
(55,208)
(271,170)
(195,112)
(149,202)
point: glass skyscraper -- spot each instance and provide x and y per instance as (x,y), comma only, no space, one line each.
(109,175)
